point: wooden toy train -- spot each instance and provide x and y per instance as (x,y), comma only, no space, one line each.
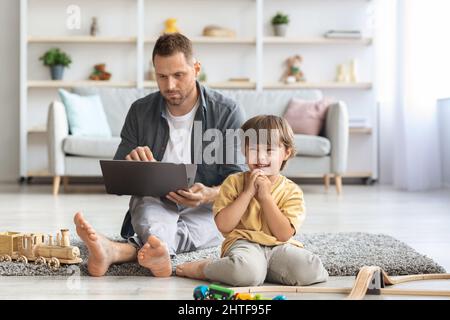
(24,247)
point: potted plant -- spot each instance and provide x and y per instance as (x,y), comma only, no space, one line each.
(280,22)
(57,61)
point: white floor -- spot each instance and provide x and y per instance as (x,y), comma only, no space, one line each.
(422,220)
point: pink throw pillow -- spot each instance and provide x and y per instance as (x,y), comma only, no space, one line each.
(307,117)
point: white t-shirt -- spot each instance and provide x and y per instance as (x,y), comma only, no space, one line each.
(178,148)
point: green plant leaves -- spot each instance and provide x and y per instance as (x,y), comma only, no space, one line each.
(280,18)
(54,57)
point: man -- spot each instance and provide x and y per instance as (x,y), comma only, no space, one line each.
(160,127)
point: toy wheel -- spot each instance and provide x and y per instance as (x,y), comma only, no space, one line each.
(22,259)
(53,264)
(5,258)
(40,260)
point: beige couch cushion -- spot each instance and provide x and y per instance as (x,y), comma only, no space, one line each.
(91,147)
(312,146)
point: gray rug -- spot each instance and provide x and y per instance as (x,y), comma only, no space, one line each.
(342,254)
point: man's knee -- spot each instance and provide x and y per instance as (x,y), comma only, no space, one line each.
(150,217)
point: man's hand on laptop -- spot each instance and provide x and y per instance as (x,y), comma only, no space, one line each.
(140,154)
(194,196)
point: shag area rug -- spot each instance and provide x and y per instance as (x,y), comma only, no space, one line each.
(342,254)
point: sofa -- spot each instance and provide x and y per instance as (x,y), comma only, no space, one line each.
(74,156)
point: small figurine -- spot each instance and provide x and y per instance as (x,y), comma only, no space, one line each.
(100,73)
(352,72)
(341,74)
(94,27)
(293,71)
(171,26)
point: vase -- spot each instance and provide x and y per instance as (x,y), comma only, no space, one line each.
(280,30)
(57,72)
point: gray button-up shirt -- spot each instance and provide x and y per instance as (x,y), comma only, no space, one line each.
(146,125)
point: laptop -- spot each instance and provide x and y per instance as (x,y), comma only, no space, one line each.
(142,178)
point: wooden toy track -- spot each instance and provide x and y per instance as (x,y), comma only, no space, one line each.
(370,280)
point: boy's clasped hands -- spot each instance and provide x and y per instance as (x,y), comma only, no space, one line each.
(257,184)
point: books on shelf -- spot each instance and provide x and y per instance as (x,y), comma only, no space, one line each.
(343,34)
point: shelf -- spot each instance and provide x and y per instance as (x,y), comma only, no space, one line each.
(317,41)
(37,130)
(232,85)
(319,85)
(80,39)
(202,40)
(360,130)
(215,85)
(213,40)
(275,40)
(82,83)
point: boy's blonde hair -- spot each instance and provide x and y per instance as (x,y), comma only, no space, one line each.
(269,123)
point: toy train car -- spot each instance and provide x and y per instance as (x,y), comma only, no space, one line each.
(24,247)
(215,292)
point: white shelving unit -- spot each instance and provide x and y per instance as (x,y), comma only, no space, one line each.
(137,43)
(212,40)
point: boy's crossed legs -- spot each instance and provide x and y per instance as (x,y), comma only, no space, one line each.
(250,264)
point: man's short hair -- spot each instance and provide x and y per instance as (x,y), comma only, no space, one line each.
(171,43)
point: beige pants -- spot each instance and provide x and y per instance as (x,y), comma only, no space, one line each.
(250,264)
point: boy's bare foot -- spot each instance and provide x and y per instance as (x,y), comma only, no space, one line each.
(193,270)
(154,256)
(100,248)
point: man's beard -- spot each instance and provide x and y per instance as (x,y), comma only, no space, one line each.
(180,97)
(174,101)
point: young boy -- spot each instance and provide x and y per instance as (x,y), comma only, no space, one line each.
(259,212)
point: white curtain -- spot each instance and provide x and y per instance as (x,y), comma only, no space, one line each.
(414,72)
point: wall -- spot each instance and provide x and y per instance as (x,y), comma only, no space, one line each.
(9,90)
(444,133)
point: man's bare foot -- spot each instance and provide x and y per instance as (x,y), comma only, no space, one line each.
(100,248)
(193,270)
(154,256)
